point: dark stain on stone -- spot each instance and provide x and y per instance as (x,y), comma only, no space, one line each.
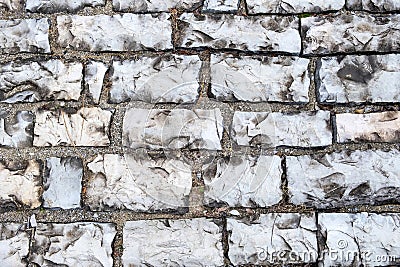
(362,189)
(355,74)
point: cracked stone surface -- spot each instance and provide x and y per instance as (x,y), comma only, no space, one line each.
(259,79)
(345,33)
(138,182)
(371,127)
(273,238)
(189,242)
(244,181)
(344,178)
(127,32)
(14,245)
(16,131)
(20,184)
(62,183)
(167,79)
(374,5)
(24,35)
(220,5)
(271,33)
(85,127)
(11,5)
(94,77)
(155,5)
(52,6)
(305,129)
(172,129)
(292,6)
(74,244)
(360,239)
(40,80)
(372,78)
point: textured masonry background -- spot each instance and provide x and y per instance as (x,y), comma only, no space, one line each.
(199,132)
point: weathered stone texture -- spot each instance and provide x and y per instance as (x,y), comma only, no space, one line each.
(24,35)
(85,127)
(16,132)
(52,6)
(138,182)
(254,33)
(281,79)
(20,184)
(220,5)
(155,5)
(156,80)
(127,32)
(190,242)
(11,5)
(373,78)
(344,178)
(62,183)
(74,244)
(172,129)
(362,239)
(292,6)
(244,181)
(94,77)
(40,80)
(371,127)
(374,5)
(273,238)
(347,33)
(306,129)
(14,245)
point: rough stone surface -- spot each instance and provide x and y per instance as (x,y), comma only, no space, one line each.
(40,80)
(11,5)
(220,5)
(94,77)
(273,238)
(85,127)
(24,35)
(20,184)
(16,132)
(74,244)
(62,183)
(138,182)
(373,78)
(127,32)
(155,5)
(306,129)
(344,178)
(191,242)
(372,127)
(281,79)
(349,33)
(374,5)
(244,181)
(172,129)
(51,6)
(156,80)
(254,33)
(292,6)
(14,245)
(362,239)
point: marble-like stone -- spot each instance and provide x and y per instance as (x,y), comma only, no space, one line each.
(259,79)
(155,5)
(138,182)
(292,6)
(165,79)
(371,127)
(273,129)
(349,33)
(52,6)
(11,5)
(188,242)
(344,178)
(172,129)
(273,238)
(255,33)
(74,244)
(220,5)
(94,77)
(24,35)
(85,127)
(374,5)
(40,80)
(359,239)
(127,32)
(16,132)
(372,78)
(14,245)
(244,181)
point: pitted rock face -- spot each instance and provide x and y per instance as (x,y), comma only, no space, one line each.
(292,6)
(11,5)
(254,33)
(155,5)
(52,6)
(220,5)
(190,242)
(374,5)
(259,79)
(94,77)
(14,245)
(17,131)
(273,238)
(167,79)
(345,178)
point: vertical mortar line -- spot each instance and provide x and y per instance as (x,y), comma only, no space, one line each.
(301,37)
(284,182)
(242,8)
(174,28)
(312,94)
(205,74)
(225,241)
(117,245)
(319,237)
(334,128)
